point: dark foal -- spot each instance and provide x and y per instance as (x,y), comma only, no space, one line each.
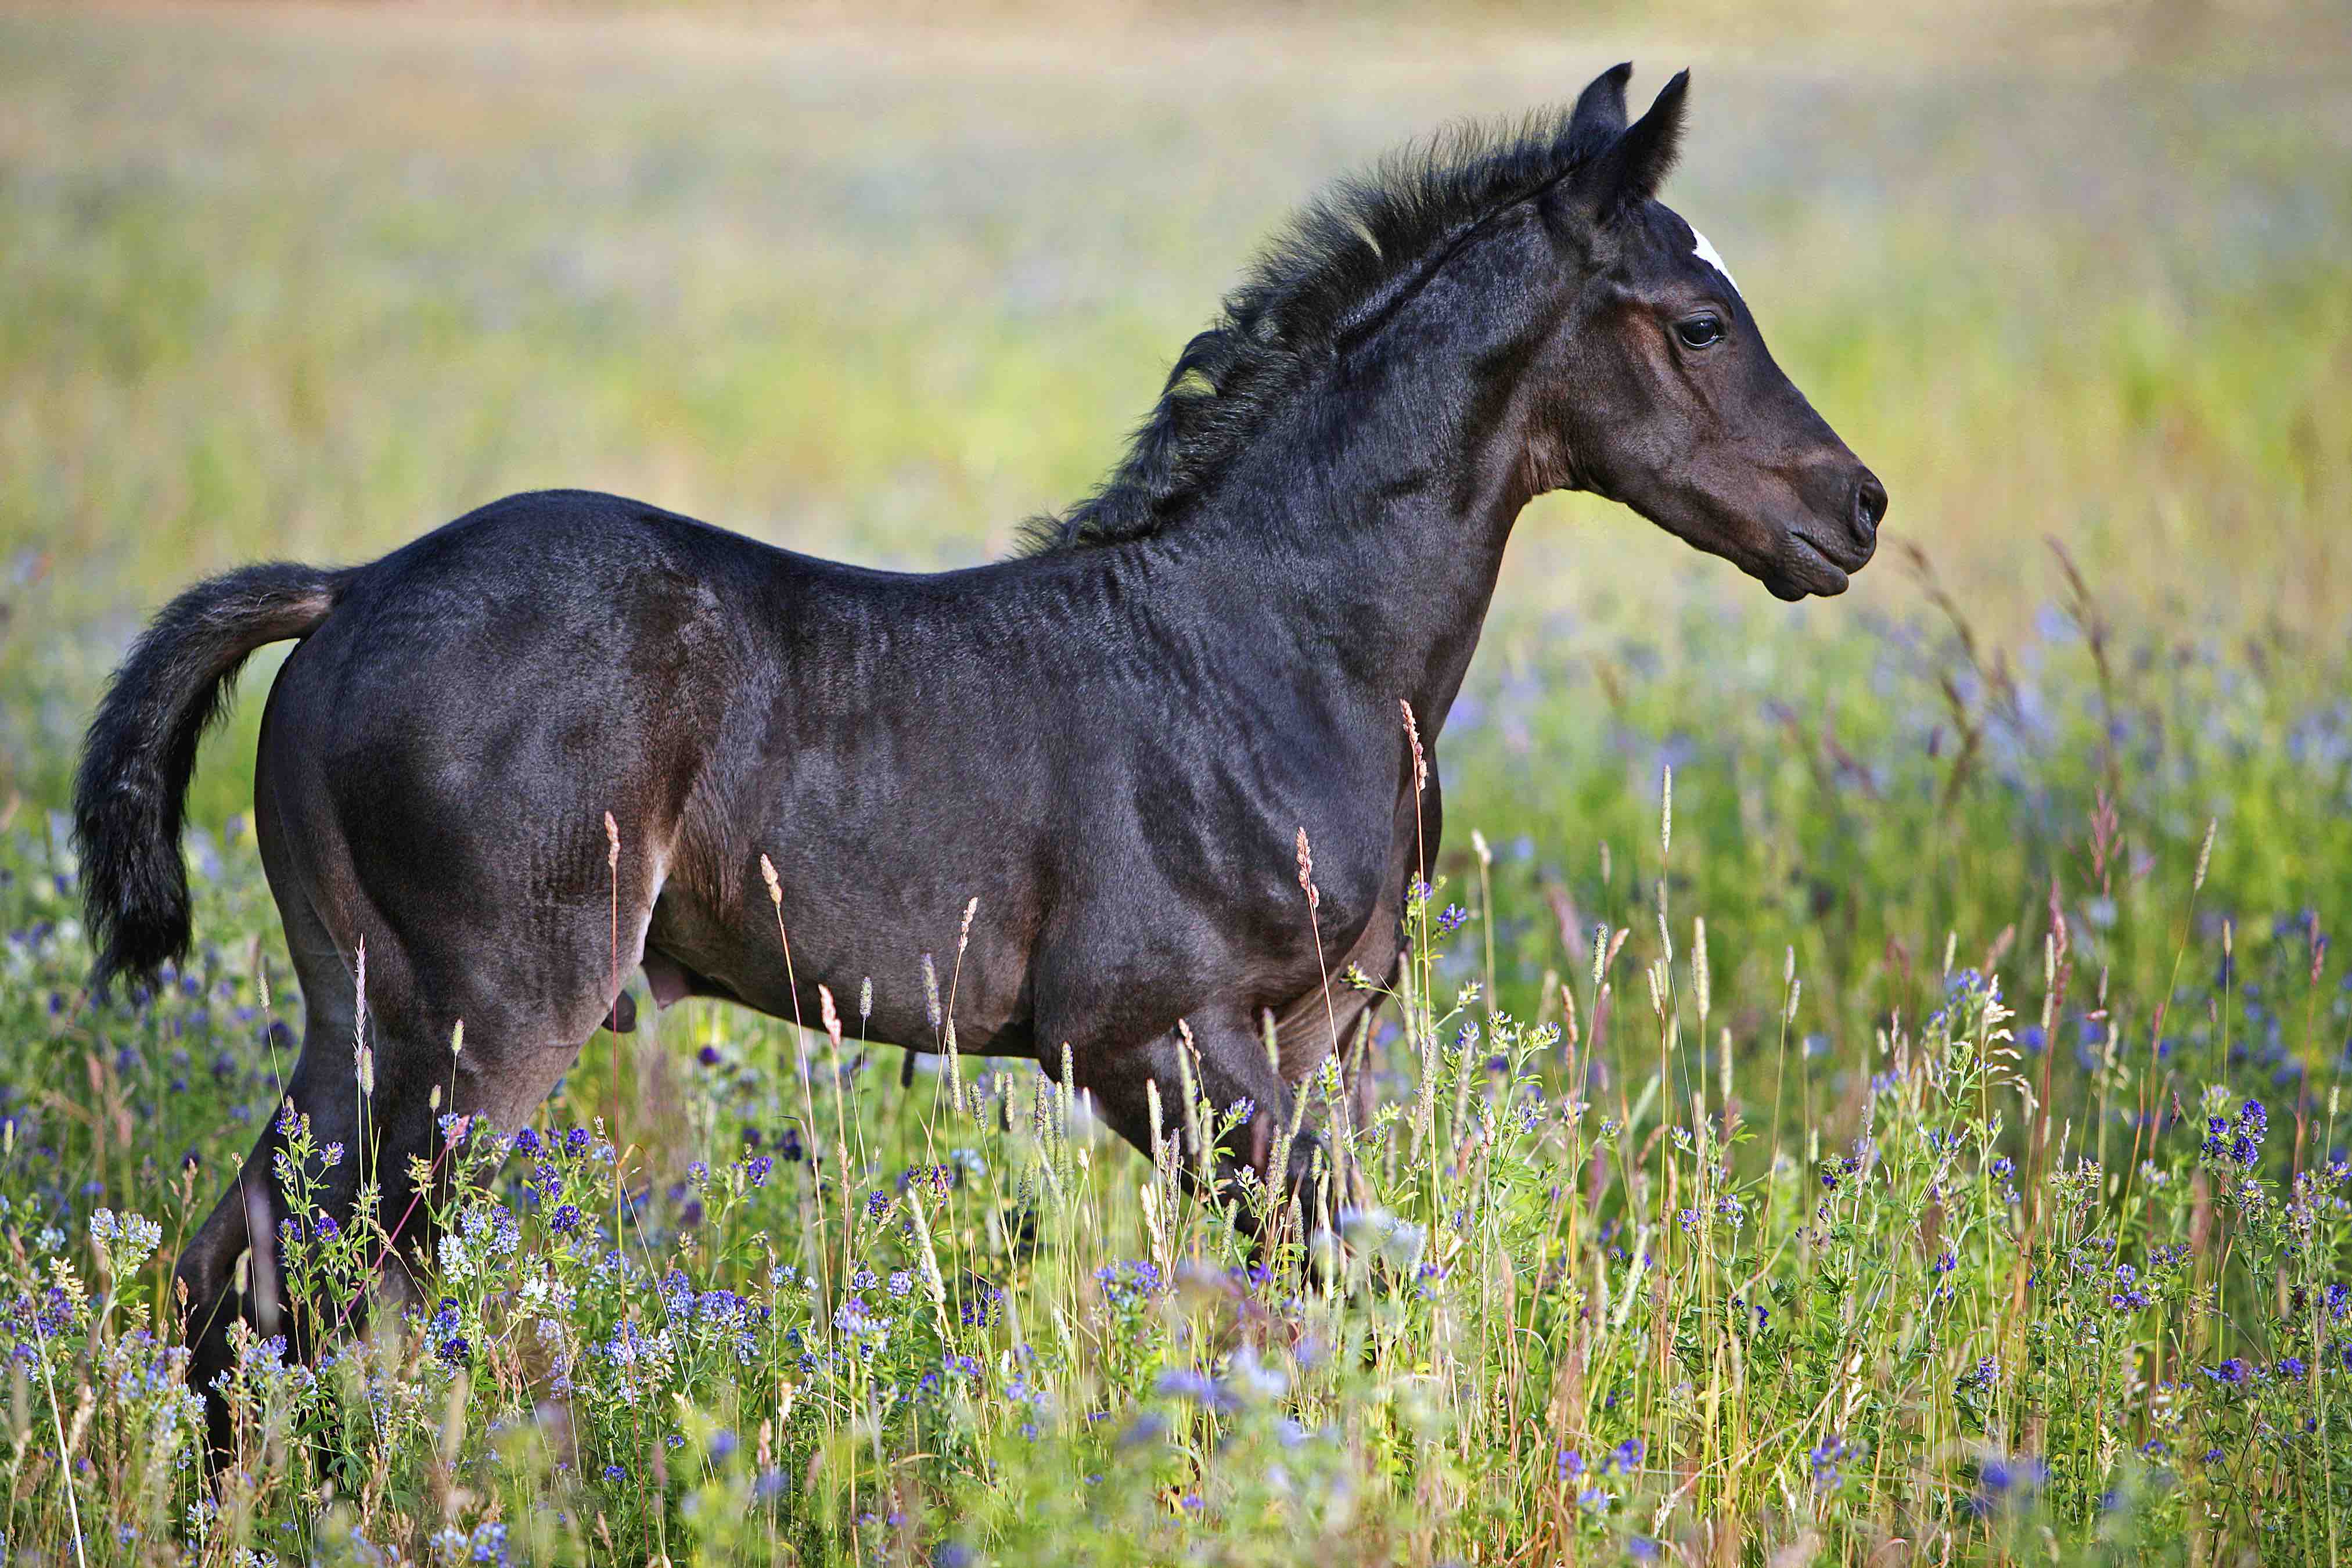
(1111,740)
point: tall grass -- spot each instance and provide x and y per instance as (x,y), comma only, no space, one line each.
(2040,1264)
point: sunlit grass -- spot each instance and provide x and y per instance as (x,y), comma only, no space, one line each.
(1700,1244)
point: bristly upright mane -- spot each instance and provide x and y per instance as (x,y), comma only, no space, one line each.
(1345,255)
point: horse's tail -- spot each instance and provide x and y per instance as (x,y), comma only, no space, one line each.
(142,746)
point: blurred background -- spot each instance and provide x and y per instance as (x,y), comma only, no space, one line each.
(879,282)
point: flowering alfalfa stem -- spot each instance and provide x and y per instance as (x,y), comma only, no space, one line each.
(450,1139)
(56,1422)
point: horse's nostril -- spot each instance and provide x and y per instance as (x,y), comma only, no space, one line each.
(1869,505)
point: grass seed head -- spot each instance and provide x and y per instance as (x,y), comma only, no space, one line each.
(1666,814)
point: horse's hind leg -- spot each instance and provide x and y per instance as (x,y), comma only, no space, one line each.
(233,1270)
(223,1278)
(519,1041)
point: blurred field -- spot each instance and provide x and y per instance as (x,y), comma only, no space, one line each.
(307,282)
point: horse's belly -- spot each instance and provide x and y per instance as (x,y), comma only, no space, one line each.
(885,981)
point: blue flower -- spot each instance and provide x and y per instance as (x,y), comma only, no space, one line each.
(1124,1284)
(1452,918)
(1184,1384)
(1146,1428)
(1825,1457)
(2238,1142)
(2001,1482)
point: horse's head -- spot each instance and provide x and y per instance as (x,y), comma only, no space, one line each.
(1657,391)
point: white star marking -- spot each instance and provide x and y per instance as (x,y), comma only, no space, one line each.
(1707,254)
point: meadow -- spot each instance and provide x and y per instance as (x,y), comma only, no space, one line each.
(1869,1083)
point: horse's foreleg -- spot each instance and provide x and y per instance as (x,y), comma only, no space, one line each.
(1245,1118)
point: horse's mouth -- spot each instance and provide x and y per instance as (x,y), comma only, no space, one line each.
(1803,568)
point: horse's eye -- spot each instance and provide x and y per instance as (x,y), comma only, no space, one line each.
(1700,331)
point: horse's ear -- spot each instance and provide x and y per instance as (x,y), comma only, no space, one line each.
(1600,116)
(1634,166)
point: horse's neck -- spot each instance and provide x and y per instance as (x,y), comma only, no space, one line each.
(1384,551)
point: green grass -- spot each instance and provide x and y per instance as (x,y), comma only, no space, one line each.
(305,283)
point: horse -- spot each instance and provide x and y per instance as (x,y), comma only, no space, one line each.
(569,736)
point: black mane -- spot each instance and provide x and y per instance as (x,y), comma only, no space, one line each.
(1345,255)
